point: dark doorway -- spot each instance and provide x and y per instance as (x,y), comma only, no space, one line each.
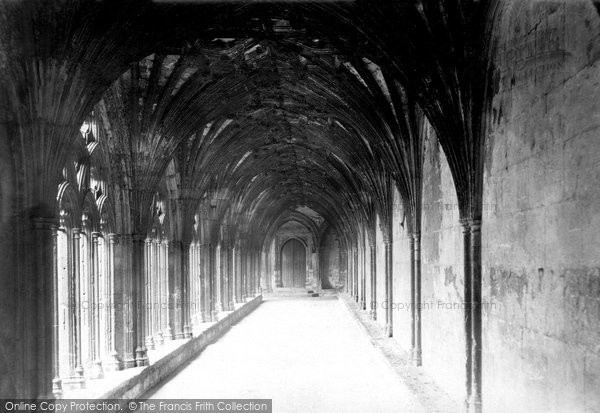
(293,264)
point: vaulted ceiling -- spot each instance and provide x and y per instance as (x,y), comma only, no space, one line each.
(264,107)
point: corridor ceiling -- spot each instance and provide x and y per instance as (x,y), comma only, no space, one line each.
(264,107)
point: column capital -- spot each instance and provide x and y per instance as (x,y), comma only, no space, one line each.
(76,232)
(96,235)
(113,238)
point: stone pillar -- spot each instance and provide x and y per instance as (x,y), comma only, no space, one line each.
(363,278)
(157,293)
(179,289)
(76,314)
(140,301)
(467,314)
(317,269)
(355,271)
(94,310)
(230,278)
(373,279)
(235,274)
(113,362)
(212,276)
(278,279)
(389,286)
(39,294)
(148,307)
(416,270)
(165,305)
(476,334)
(56,381)
(256,272)
(187,291)
(129,297)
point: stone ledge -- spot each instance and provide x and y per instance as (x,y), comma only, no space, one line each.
(429,394)
(149,377)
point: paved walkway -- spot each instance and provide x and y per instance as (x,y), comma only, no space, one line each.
(307,354)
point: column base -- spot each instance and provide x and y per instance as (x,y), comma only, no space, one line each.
(57,391)
(113,363)
(168,336)
(75,382)
(141,357)
(473,405)
(179,335)
(159,339)
(187,332)
(373,315)
(416,357)
(389,331)
(149,343)
(96,371)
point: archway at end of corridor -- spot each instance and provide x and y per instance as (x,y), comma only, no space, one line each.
(293,264)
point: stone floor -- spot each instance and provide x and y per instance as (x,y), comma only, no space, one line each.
(307,354)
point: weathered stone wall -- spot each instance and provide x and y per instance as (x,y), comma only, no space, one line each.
(443,339)
(330,261)
(7,281)
(541,265)
(402,276)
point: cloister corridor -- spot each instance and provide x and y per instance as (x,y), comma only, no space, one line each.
(340,205)
(307,354)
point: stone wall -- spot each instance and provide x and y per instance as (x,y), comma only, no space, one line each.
(541,221)
(330,261)
(402,276)
(443,337)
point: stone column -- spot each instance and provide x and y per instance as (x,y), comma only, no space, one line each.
(157,293)
(129,297)
(78,371)
(257,272)
(39,318)
(148,307)
(389,285)
(178,289)
(467,312)
(94,310)
(114,361)
(355,272)
(140,301)
(220,303)
(235,275)
(416,263)
(230,278)
(476,334)
(278,279)
(166,318)
(363,278)
(373,280)
(56,381)
(187,292)
(213,291)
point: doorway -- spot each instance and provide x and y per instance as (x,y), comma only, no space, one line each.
(293,264)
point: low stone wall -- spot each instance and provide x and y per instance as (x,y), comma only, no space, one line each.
(151,376)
